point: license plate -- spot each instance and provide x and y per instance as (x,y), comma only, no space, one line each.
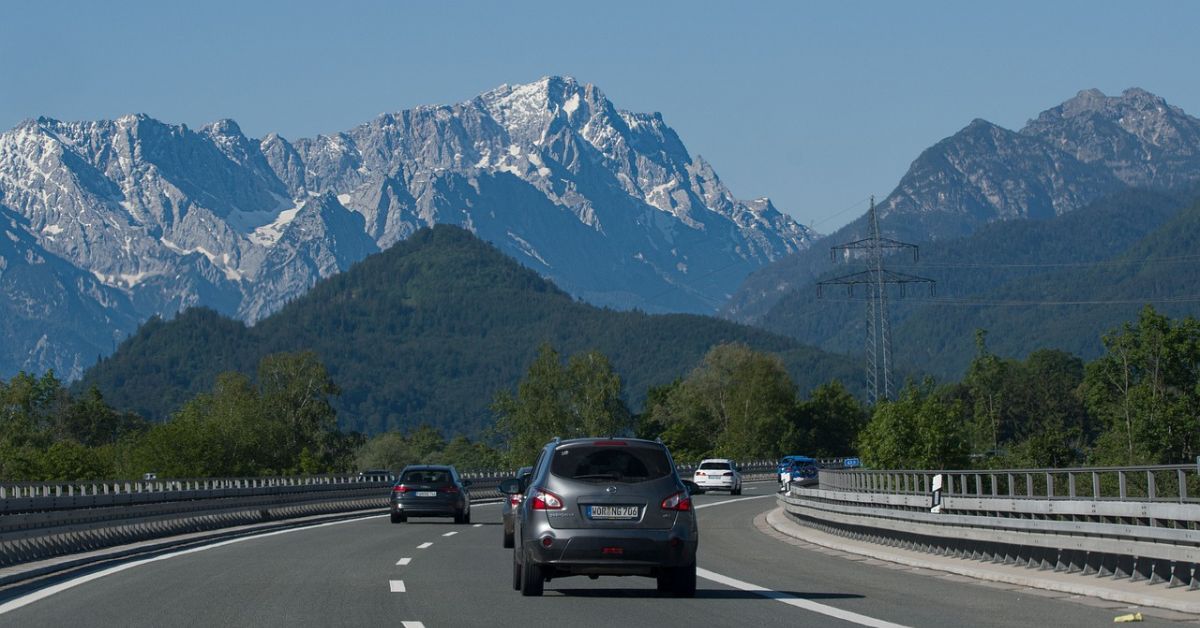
(426,493)
(613,512)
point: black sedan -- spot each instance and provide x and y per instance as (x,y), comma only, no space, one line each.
(431,491)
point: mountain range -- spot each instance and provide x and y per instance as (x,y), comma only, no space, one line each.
(111,222)
(1069,156)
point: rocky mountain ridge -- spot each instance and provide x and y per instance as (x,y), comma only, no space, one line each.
(607,203)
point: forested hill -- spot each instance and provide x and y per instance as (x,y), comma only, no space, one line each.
(427,332)
(1039,284)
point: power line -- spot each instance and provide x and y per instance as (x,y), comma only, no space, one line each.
(1041,302)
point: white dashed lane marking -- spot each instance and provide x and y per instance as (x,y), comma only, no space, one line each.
(412,624)
(479,525)
(424,545)
(403,561)
(397,586)
(450,534)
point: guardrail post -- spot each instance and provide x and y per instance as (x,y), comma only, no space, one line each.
(1071,485)
(1121,483)
(1049,485)
(1011,482)
(978,485)
(1182,485)
(1151,488)
(1095,485)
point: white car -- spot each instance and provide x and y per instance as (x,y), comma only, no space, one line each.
(718,474)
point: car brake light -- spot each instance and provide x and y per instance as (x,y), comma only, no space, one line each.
(514,500)
(728,474)
(701,473)
(609,443)
(450,489)
(401,489)
(678,501)
(545,500)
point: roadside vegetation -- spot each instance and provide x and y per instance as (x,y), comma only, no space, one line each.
(1138,403)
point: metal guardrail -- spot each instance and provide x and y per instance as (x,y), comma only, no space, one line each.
(40,520)
(1140,523)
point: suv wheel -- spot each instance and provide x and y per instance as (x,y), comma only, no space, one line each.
(516,573)
(508,540)
(458,517)
(398,518)
(736,491)
(532,583)
(678,581)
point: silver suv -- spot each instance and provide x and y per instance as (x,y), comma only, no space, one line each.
(604,507)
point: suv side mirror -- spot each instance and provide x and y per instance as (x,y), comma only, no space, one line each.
(466,483)
(512,486)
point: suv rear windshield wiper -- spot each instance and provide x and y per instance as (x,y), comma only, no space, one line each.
(598,476)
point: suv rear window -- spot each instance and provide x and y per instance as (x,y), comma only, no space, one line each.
(435,477)
(715,465)
(610,463)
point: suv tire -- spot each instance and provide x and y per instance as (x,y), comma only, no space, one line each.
(679,581)
(509,542)
(398,518)
(516,573)
(532,583)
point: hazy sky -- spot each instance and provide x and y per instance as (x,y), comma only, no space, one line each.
(816,105)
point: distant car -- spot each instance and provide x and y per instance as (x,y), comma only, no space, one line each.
(375,475)
(720,474)
(604,507)
(791,463)
(801,472)
(508,510)
(430,491)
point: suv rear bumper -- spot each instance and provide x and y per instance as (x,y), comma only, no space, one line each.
(579,551)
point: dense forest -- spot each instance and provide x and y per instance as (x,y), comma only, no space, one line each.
(423,333)
(1138,403)
(1058,283)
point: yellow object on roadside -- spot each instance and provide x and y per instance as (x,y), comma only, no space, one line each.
(1124,619)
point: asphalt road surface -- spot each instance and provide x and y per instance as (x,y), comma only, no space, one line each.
(432,572)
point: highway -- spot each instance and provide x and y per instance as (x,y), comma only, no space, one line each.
(432,572)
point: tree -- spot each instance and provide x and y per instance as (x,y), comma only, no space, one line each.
(828,422)
(296,396)
(1145,389)
(920,430)
(582,398)
(738,403)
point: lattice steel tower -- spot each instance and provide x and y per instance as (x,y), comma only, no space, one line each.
(876,278)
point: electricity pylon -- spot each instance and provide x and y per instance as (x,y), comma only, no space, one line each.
(876,278)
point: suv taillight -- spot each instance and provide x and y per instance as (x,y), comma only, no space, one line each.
(514,500)
(678,501)
(545,500)
(450,489)
(401,489)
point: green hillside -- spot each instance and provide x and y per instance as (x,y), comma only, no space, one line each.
(426,332)
(1057,283)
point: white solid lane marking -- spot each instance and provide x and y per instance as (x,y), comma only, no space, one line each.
(424,545)
(412,624)
(450,534)
(731,501)
(403,561)
(397,586)
(798,602)
(25,600)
